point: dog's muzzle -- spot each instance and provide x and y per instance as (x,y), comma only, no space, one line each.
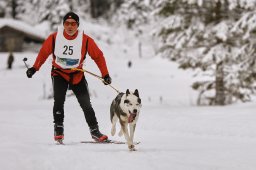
(132,117)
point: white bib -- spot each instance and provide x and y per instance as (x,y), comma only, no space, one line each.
(68,52)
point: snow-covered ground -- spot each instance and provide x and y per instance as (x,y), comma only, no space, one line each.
(174,133)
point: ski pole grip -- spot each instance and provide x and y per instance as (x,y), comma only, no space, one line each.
(24,60)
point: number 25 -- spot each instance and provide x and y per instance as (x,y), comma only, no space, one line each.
(68,50)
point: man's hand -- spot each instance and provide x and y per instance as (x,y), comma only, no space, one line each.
(107,79)
(30,72)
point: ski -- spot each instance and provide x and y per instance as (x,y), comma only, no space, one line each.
(108,142)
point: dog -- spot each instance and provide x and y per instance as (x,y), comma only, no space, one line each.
(126,108)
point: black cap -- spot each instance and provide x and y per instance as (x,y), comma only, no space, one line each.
(71,15)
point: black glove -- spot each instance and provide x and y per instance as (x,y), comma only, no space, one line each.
(107,79)
(30,72)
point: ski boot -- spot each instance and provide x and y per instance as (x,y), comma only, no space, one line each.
(97,135)
(59,133)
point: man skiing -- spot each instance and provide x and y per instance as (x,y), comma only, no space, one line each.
(69,47)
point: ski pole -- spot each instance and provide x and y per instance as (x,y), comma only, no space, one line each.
(95,75)
(24,60)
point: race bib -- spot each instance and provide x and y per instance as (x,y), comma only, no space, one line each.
(68,52)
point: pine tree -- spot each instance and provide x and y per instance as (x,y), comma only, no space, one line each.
(8,8)
(55,11)
(201,35)
(133,13)
(99,8)
(28,11)
(37,11)
(81,7)
(3,4)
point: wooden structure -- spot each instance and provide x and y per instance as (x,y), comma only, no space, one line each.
(14,33)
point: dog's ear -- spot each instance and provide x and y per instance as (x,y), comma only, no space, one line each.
(127,92)
(136,93)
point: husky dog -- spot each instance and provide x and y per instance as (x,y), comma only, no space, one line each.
(126,108)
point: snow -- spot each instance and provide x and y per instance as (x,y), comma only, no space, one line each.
(22,26)
(174,133)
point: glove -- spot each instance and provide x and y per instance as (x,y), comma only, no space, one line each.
(30,72)
(107,79)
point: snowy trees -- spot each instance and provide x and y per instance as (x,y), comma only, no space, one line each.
(36,11)
(214,38)
(8,8)
(99,7)
(2,7)
(133,13)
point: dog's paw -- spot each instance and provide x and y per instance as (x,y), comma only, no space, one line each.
(131,148)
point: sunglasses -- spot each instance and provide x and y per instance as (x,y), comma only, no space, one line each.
(70,23)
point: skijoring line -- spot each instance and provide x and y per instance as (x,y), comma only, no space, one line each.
(95,75)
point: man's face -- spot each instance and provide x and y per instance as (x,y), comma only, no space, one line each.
(70,26)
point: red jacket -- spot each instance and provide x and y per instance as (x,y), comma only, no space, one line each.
(93,50)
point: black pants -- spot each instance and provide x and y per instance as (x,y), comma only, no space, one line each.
(60,87)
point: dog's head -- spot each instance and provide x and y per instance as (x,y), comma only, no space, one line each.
(131,104)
